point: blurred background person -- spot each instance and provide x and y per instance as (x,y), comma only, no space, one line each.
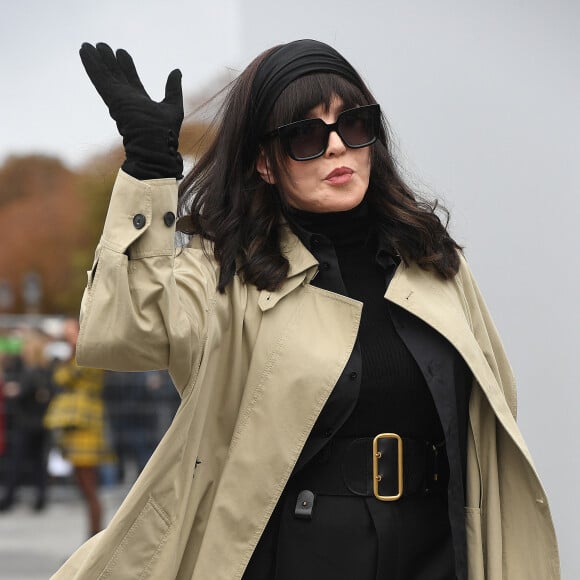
(29,392)
(11,374)
(2,410)
(132,415)
(140,407)
(166,398)
(77,416)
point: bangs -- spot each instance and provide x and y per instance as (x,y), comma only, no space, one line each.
(310,91)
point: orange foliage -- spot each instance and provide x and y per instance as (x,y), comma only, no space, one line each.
(51,219)
(41,219)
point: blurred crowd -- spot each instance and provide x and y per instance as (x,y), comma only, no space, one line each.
(60,423)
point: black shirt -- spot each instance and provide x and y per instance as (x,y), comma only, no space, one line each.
(382,388)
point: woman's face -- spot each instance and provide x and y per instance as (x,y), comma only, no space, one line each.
(337,181)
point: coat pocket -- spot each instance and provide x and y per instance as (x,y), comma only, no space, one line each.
(475,559)
(136,553)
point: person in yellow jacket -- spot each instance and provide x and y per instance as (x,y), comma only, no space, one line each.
(76,414)
(348,410)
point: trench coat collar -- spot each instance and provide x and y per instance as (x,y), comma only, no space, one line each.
(299,257)
(302,268)
(303,265)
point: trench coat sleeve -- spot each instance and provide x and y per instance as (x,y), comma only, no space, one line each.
(145,305)
(487,336)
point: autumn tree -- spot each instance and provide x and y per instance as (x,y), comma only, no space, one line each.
(51,218)
(42,220)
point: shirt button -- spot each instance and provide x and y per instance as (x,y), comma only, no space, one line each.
(139,221)
(327,433)
(169,219)
(172,140)
(353,376)
(325,266)
(315,240)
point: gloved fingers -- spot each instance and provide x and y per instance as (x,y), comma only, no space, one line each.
(96,70)
(127,65)
(110,61)
(173,90)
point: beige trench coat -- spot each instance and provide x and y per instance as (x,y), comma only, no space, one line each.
(254,369)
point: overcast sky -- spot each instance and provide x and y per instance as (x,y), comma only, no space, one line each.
(48,102)
(483,99)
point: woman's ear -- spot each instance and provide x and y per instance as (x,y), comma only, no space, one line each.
(263,168)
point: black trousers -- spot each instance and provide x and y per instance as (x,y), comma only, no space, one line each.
(356,538)
(28,452)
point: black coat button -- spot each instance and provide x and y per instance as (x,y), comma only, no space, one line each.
(353,375)
(169,219)
(139,220)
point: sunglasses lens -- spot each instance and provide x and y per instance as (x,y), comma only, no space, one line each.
(306,139)
(359,127)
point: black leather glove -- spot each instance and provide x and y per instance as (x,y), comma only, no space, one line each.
(150,130)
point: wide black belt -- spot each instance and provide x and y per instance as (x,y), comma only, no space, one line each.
(387,467)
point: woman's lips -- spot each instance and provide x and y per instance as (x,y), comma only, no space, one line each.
(339,175)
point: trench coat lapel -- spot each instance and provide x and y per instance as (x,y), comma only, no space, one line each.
(448,380)
(293,345)
(438,303)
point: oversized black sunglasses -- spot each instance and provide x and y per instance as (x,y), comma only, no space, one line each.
(308,139)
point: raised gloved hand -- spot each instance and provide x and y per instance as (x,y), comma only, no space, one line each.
(150,130)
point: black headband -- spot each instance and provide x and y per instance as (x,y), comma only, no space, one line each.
(290,62)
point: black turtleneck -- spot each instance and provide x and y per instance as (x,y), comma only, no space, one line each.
(381,389)
(393,393)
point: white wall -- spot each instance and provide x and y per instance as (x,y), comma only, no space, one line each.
(48,104)
(484,100)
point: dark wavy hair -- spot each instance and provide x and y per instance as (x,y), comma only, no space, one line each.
(226,202)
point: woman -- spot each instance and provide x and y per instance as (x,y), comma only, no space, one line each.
(324,432)
(77,414)
(30,441)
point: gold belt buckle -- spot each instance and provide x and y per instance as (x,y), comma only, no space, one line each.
(377,477)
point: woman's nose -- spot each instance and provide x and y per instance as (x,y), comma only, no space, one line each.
(335,145)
